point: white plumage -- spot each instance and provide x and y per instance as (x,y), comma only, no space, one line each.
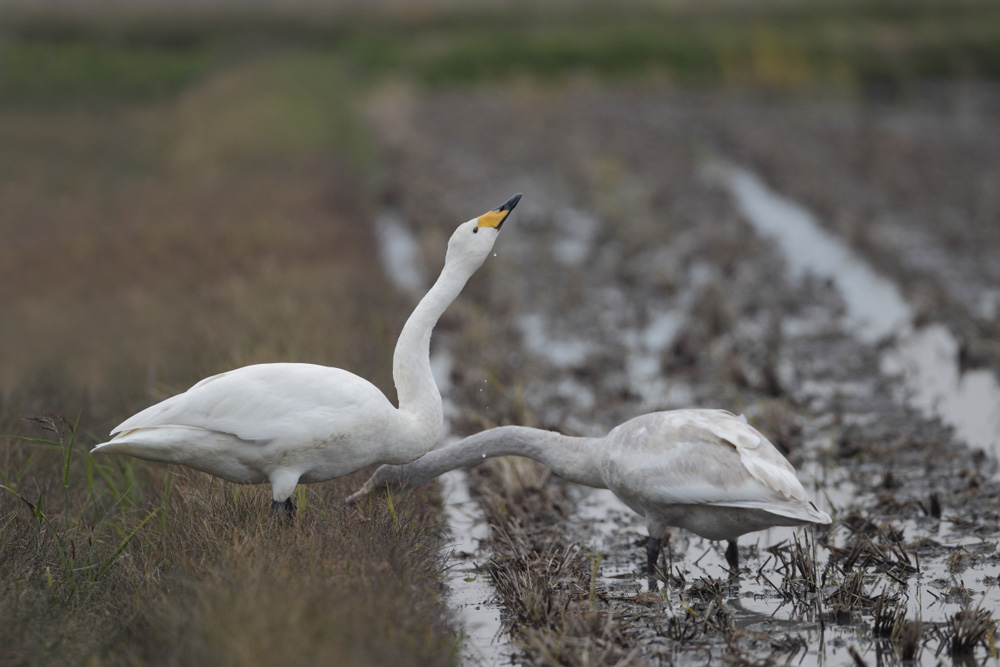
(707,471)
(286,423)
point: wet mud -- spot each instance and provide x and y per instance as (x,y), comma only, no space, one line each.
(634,277)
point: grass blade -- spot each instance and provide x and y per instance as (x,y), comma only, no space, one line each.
(392,507)
(69,449)
(27,502)
(124,543)
(48,444)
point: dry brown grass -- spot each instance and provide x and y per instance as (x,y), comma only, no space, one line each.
(143,249)
(209,579)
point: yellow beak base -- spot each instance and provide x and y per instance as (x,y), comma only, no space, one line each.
(492,219)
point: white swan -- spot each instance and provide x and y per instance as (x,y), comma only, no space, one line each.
(286,423)
(707,471)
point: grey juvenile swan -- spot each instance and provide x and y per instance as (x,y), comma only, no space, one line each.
(707,471)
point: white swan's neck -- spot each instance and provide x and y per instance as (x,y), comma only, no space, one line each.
(572,458)
(419,398)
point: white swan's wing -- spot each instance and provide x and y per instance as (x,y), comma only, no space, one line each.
(701,457)
(266,402)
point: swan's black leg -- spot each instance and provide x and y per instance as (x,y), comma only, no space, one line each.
(653,545)
(733,555)
(652,554)
(283,511)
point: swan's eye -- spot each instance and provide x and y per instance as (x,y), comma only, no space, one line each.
(475,230)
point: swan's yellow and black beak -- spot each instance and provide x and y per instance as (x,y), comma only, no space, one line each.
(496,217)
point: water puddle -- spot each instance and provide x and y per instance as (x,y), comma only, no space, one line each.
(539,341)
(472,595)
(577,232)
(400,254)
(644,353)
(969,401)
(933,595)
(924,358)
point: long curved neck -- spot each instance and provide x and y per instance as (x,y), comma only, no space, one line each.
(418,394)
(575,459)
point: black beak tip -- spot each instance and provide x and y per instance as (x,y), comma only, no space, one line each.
(510,203)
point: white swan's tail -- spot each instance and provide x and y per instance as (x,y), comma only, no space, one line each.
(220,454)
(158,443)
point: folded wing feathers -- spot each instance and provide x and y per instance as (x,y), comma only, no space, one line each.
(777,478)
(759,457)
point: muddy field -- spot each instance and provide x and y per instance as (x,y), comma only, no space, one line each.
(759,208)
(652,264)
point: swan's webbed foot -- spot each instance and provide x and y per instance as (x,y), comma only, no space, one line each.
(282,512)
(733,556)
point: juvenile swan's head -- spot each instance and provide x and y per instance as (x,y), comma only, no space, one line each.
(472,242)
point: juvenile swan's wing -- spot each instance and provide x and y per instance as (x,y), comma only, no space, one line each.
(702,457)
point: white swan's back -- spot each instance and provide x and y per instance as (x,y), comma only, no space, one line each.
(266,402)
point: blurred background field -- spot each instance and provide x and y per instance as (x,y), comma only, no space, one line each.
(187,152)
(186,189)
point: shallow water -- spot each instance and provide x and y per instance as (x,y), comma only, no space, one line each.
(472,595)
(933,595)
(926,358)
(400,253)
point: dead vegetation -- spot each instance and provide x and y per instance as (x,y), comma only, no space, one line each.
(551,603)
(121,563)
(967,631)
(129,272)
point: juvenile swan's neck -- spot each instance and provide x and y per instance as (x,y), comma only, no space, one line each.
(418,394)
(575,459)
